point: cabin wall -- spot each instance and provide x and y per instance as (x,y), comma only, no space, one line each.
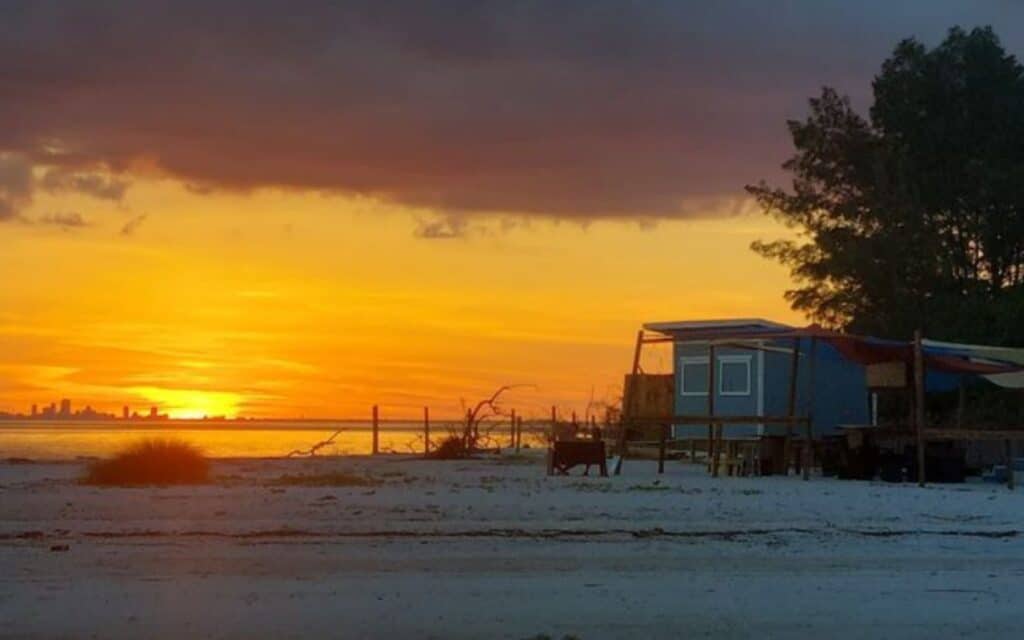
(728,401)
(840,395)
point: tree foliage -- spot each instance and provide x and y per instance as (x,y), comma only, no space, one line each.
(912,217)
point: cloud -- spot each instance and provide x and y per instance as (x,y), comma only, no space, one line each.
(15,185)
(133,225)
(67,221)
(447,227)
(61,180)
(565,109)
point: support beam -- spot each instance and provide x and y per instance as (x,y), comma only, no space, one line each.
(812,381)
(627,402)
(919,406)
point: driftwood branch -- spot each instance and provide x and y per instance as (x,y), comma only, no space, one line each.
(316,447)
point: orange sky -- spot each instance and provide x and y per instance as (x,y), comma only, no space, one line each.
(273,303)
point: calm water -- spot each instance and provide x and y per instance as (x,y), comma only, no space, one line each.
(67,441)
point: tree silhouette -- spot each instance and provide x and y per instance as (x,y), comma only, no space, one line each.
(914,216)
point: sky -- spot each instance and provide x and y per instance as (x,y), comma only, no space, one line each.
(303,209)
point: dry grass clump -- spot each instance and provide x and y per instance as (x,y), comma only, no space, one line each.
(452,447)
(151,462)
(335,479)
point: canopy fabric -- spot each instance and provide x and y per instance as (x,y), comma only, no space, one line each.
(1000,365)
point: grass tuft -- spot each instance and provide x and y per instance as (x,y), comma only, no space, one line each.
(151,462)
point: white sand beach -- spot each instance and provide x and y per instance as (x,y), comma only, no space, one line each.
(495,549)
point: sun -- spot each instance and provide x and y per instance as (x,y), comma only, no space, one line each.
(192,404)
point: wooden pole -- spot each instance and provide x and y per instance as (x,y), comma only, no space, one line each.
(512,428)
(1008,449)
(794,369)
(426,430)
(714,431)
(919,406)
(808,457)
(627,402)
(662,429)
(376,431)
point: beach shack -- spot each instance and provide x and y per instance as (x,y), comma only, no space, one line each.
(764,397)
(760,369)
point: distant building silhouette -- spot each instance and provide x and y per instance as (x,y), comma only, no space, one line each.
(35,411)
(65,408)
(124,412)
(153,413)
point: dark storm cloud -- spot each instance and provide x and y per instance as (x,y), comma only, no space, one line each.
(572,109)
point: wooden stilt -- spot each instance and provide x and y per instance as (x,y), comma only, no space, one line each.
(1008,449)
(512,429)
(919,414)
(794,367)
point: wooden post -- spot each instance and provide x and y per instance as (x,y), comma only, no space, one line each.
(627,401)
(714,430)
(808,453)
(794,369)
(512,428)
(693,450)
(919,406)
(376,431)
(1008,448)
(426,430)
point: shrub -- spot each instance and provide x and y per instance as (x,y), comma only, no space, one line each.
(451,448)
(151,462)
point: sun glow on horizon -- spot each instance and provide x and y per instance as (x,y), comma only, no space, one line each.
(319,307)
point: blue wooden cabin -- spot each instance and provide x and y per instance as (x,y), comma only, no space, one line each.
(752,377)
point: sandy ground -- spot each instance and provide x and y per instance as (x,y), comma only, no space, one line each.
(495,549)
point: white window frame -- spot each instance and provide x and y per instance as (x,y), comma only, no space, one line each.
(691,360)
(722,361)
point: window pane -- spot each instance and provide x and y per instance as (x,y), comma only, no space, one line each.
(695,377)
(735,377)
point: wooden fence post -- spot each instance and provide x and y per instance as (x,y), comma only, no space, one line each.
(426,431)
(919,406)
(512,429)
(519,433)
(376,431)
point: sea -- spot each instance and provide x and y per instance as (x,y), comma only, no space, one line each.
(71,440)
